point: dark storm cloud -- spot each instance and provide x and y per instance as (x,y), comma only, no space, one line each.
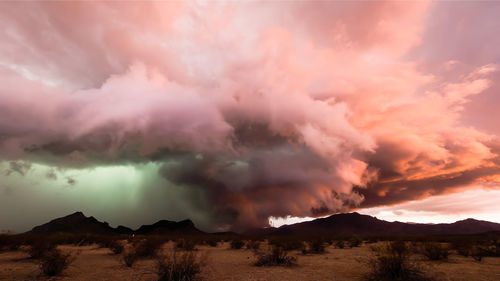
(248,112)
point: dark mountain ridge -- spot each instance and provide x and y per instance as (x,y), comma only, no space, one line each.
(78,223)
(169,227)
(74,223)
(356,224)
(335,225)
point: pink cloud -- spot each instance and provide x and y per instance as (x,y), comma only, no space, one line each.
(297,101)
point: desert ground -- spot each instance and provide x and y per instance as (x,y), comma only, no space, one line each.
(222,263)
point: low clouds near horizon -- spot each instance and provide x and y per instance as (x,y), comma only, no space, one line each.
(231,113)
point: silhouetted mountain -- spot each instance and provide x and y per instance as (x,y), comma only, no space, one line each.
(170,227)
(123,230)
(75,223)
(357,224)
(79,223)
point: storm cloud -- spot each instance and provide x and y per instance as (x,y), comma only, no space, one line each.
(250,110)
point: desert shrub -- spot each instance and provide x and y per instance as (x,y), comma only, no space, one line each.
(53,262)
(490,248)
(109,242)
(116,247)
(103,242)
(496,248)
(463,248)
(354,241)
(477,253)
(4,241)
(435,251)
(316,246)
(463,251)
(9,242)
(277,256)
(129,258)
(185,244)
(39,247)
(212,242)
(237,244)
(179,266)
(372,240)
(340,244)
(392,263)
(253,245)
(147,247)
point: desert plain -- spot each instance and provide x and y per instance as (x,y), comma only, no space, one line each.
(92,262)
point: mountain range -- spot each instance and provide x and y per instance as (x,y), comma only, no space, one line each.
(335,225)
(357,224)
(79,223)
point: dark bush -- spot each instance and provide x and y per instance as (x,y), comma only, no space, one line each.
(9,242)
(435,251)
(277,256)
(314,247)
(393,264)
(340,244)
(129,258)
(185,244)
(496,248)
(490,248)
(53,262)
(212,242)
(477,255)
(237,244)
(354,241)
(478,252)
(148,247)
(372,240)
(103,242)
(463,248)
(253,245)
(116,247)
(39,247)
(179,266)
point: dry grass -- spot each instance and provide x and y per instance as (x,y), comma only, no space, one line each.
(178,266)
(350,264)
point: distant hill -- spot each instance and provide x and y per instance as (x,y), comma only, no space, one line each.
(75,223)
(185,227)
(79,223)
(357,224)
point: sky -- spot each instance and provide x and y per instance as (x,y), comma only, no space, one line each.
(248,114)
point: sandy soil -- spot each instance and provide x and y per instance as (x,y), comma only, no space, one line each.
(93,263)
